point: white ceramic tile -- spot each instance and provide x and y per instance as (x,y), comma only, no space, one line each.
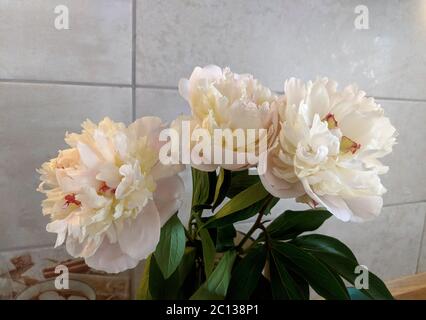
(421,266)
(166,104)
(406,179)
(96,48)
(278,39)
(388,246)
(33,122)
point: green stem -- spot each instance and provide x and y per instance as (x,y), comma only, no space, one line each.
(254,227)
(257,224)
(268,241)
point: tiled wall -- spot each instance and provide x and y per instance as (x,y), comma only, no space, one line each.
(123,58)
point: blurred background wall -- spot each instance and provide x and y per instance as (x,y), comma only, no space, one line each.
(123,59)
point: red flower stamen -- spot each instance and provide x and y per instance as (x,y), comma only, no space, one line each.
(104,188)
(331,121)
(70,199)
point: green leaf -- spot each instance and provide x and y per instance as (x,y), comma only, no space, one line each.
(203,190)
(222,185)
(225,238)
(356,294)
(320,278)
(292,223)
(209,251)
(284,286)
(159,287)
(188,262)
(216,285)
(302,284)
(246,274)
(203,184)
(237,216)
(241,180)
(272,202)
(212,186)
(171,247)
(263,290)
(338,257)
(143,291)
(319,243)
(171,288)
(243,200)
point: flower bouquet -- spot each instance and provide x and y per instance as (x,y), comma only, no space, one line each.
(114,195)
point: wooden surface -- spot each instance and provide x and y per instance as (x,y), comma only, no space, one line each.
(409,288)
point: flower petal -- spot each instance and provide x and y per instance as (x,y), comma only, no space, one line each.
(364,208)
(335,205)
(110,258)
(87,155)
(139,237)
(59,227)
(147,127)
(168,197)
(84,249)
(274,185)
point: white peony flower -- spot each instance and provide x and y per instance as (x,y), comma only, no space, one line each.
(328,149)
(108,195)
(220,99)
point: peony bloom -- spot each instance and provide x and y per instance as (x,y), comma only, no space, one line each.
(328,149)
(108,195)
(220,99)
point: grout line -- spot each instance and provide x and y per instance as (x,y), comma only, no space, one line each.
(403,203)
(132,272)
(21,248)
(400,99)
(155,87)
(71,83)
(133,60)
(421,245)
(133,84)
(161,87)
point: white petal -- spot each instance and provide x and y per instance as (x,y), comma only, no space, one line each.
(139,237)
(364,208)
(103,145)
(90,199)
(120,143)
(160,171)
(67,183)
(109,173)
(87,155)
(356,209)
(110,258)
(84,249)
(146,126)
(318,100)
(274,185)
(59,227)
(168,197)
(184,88)
(295,91)
(335,205)
(130,175)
